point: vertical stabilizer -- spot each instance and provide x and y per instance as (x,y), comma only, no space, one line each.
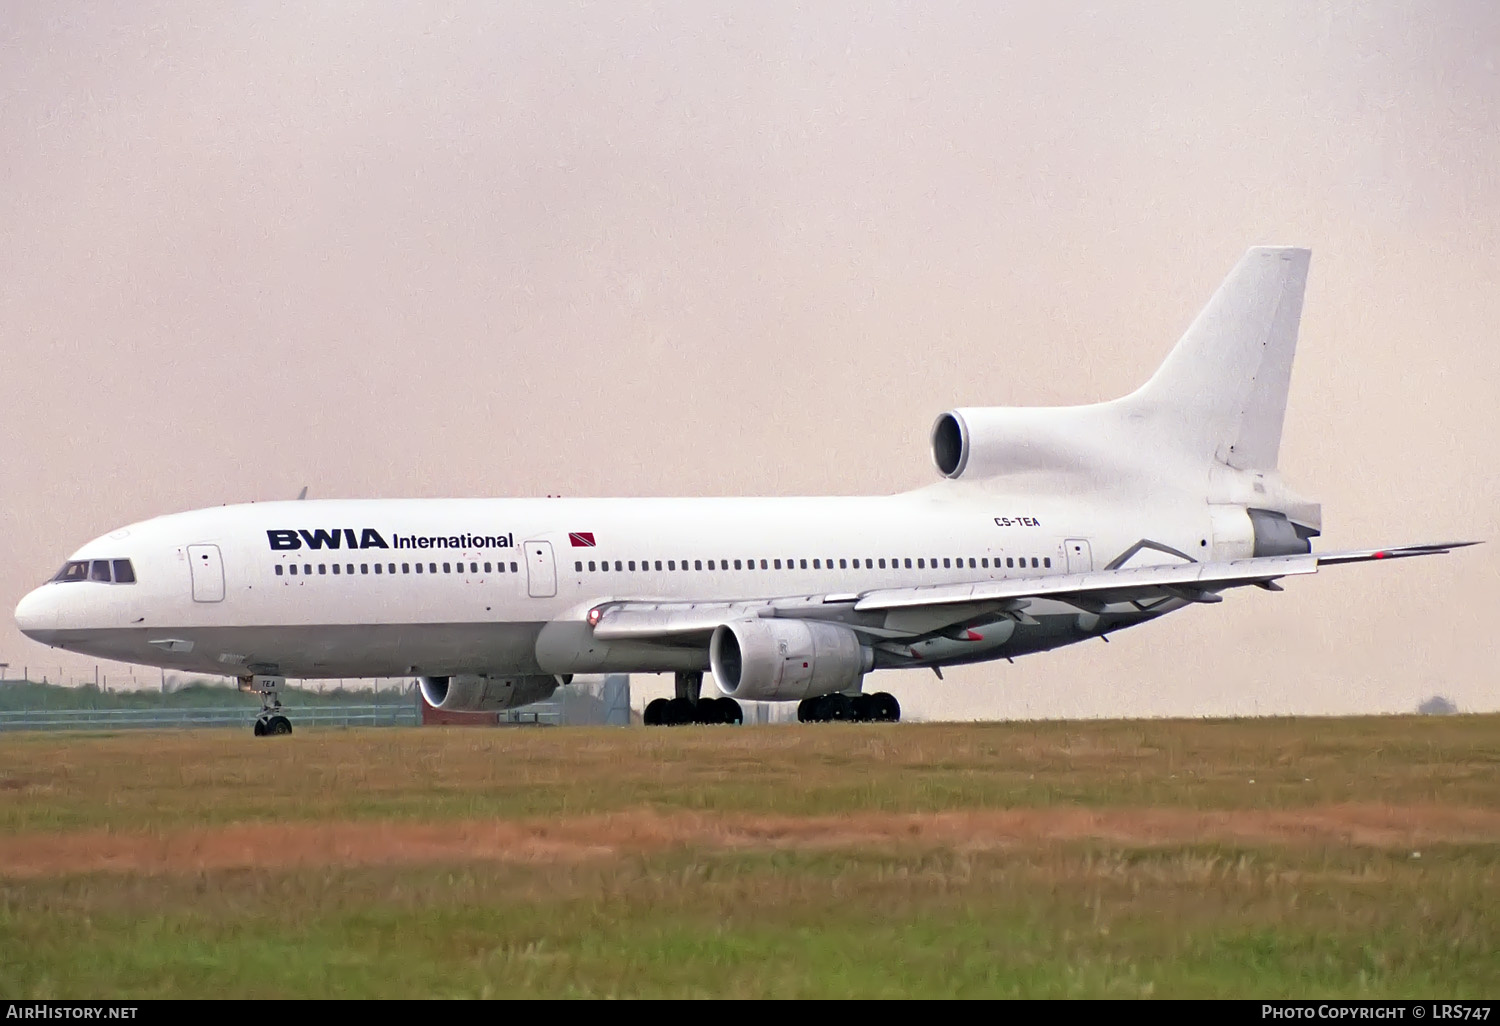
(1221,394)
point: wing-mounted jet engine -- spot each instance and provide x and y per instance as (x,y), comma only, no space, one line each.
(472,692)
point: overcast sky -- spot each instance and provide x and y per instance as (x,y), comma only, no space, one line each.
(711,248)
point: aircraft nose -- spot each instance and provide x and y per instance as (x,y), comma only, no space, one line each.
(36,615)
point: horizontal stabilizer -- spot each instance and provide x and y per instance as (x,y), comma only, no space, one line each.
(1399,552)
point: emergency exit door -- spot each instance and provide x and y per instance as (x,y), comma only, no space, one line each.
(207,568)
(541,571)
(1080,557)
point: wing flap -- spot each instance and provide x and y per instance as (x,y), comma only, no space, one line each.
(1105,585)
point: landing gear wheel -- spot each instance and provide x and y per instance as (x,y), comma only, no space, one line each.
(730,712)
(805,711)
(270,721)
(679,712)
(887,709)
(656,712)
(839,708)
(864,708)
(708,712)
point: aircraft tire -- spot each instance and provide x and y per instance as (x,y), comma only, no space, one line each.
(865,709)
(260,728)
(733,715)
(654,714)
(887,709)
(679,712)
(278,726)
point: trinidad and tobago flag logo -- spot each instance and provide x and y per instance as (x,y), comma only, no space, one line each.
(581,539)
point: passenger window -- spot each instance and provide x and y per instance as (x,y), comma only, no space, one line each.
(697,564)
(985,562)
(335,568)
(432,568)
(908,564)
(322,568)
(736,564)
(473,568)
(391,568)
(447,568)
(100,571)
(513,568)
(671,564)
(577,567)
(419,568)
(945,562)
(817,564)
(379,568)
(843,564)
(364,568)
(124,572)
(618,565)
(1033,561)
(487,567)
(763,564)
(279,570)
(604,566)
(1047,562)
(1010,561)
(292,569)
(972,564)
(658,564)
(406,568)
(710,564)
(921,564)
(632,564)
(882,562)
(777,564)
(804,563)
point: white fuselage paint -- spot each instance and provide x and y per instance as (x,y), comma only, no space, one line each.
(360,623)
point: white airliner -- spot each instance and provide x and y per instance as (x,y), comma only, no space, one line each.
(1050,526)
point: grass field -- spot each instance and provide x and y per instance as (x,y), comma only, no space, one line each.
(1302,858)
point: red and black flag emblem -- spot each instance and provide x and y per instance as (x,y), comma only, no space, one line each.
(581,539)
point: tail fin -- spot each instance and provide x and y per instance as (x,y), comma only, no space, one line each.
(1221,394)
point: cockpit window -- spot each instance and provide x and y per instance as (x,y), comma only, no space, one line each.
(97,570)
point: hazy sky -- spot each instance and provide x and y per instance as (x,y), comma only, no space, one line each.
(710,248)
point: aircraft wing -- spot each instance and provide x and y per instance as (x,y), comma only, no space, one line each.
(919,611)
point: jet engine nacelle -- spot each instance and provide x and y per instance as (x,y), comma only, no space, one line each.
(985,441)
(786,660)
(472,692)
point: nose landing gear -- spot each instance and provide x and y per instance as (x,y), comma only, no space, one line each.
(270,722)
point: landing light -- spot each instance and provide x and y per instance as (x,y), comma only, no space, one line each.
(594,615)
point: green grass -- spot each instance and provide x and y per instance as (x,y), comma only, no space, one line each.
(1037,918)
(1182,923)
(177,778)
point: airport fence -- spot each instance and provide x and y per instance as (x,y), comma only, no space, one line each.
(387,715)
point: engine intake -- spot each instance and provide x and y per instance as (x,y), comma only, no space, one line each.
(786,660)
(472,692)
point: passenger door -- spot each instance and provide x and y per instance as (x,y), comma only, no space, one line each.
(207,567)
(541,571)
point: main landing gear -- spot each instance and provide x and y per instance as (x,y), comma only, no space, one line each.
(270,722)
(687,708)
(880,707)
